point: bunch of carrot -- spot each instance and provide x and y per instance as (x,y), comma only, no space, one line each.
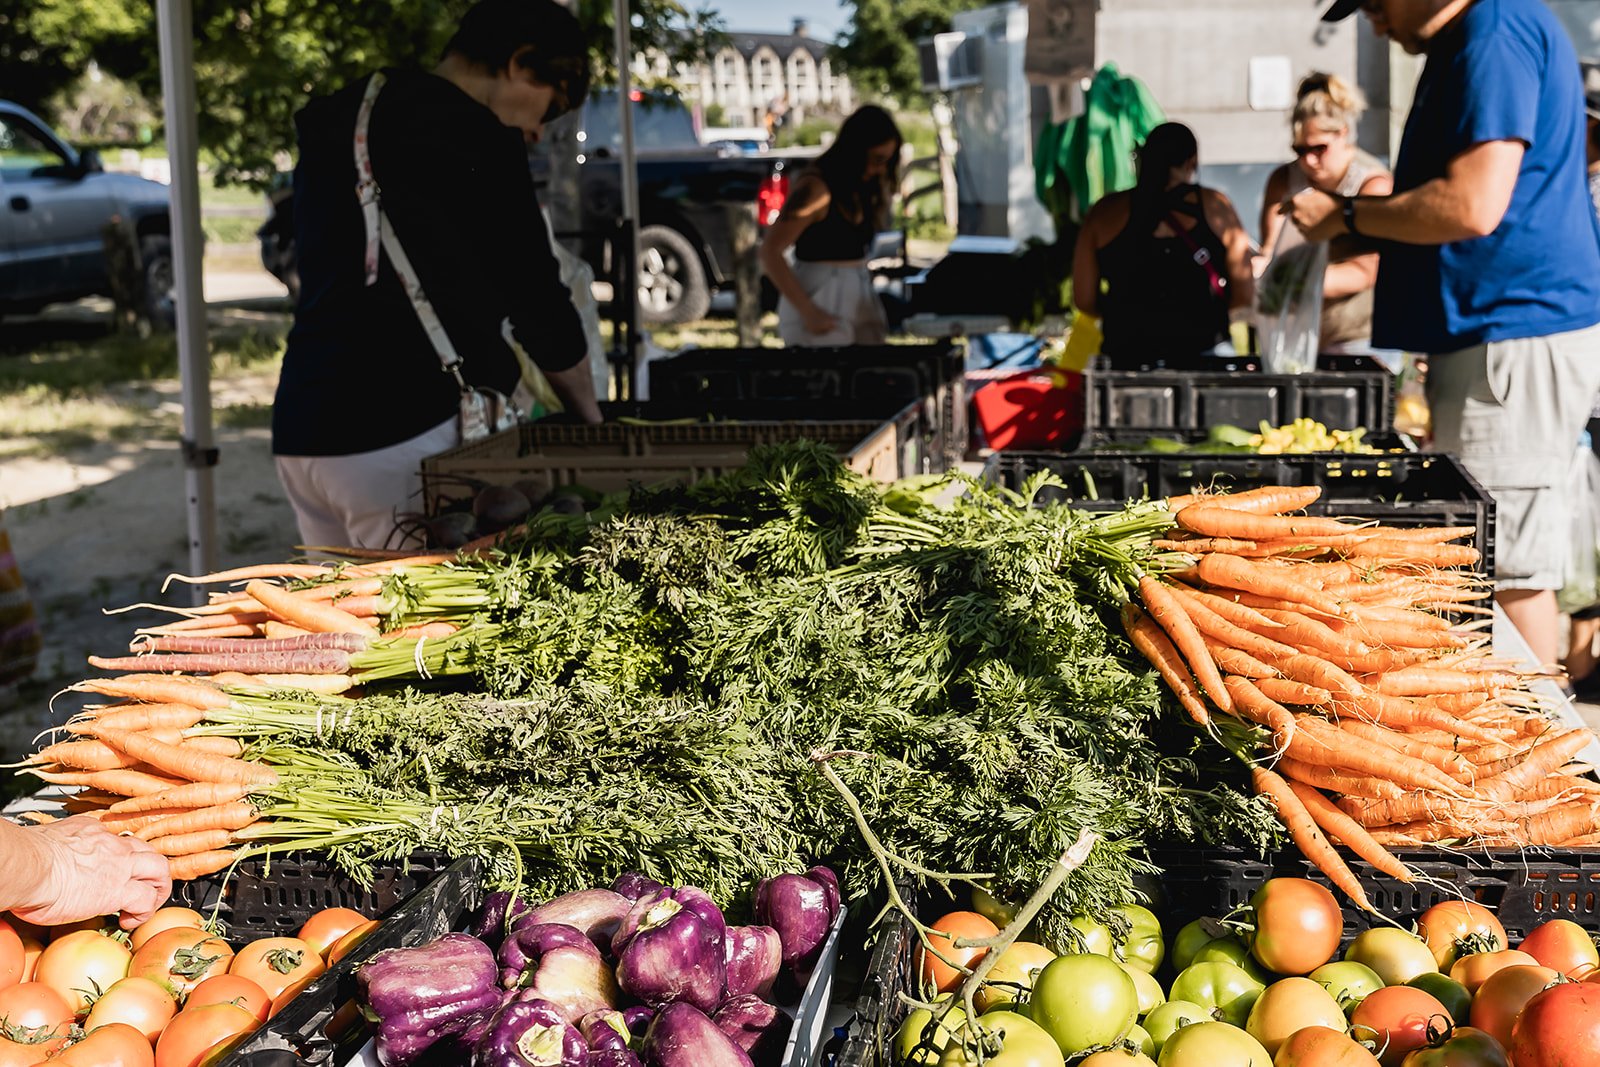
(1386,723)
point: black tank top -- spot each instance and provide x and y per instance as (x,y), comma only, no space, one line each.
(834,237)
(1159,300)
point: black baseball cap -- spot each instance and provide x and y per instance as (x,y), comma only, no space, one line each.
(1341,10)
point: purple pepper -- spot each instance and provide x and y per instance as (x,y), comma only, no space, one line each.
(681,1035)
(757,1027)
(528,943)
(604,1030)
(754,955)
(674,947)
(615,1057)
(638,1019)
(801,907)
(498,915)
(419,995)
(530,1031)
(597,912)
(634,885)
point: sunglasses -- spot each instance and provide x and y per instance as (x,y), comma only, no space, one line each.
(1304,150)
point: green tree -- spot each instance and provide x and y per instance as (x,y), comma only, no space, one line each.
(880,50)
(45,44)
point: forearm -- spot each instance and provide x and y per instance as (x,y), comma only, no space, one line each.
(1350,277)
(26,865)
(1440,212)
(785,280)
(575,387)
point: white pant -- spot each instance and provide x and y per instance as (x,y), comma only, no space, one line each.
(842,290)
(354,501)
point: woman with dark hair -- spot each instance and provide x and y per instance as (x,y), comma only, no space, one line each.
(1163,263)
(832,214)
(426,268)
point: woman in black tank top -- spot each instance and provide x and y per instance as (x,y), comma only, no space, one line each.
(1173,258)
(830,218)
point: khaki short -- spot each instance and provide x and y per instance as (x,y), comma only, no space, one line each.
(1513,411)
(843,291)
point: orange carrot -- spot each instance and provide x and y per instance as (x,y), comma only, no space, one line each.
(260,570)
(1267,500)
(315,616)
(1415,553)
(125,782)
(1307,836)
(1345,830)
(1154,645)
(232,816)
(1423,681)
(189,844)
(1401,714)
(195,766)
(183,797)
(1366,614)
(1316,742)
(1231,572)
(272,628)
(1286,692)
(1545,758)
(1307,633)
(1249,703)
(1314,670)
(1214,626)
(1212,520)
(159,689)
(214,745)
(1235,661)
(1233,610)
(425,629)
(1353,785)
(141,717)
(84,756)
(1454,764)
(1169,614)
(198,865)
(1556,824)
(207,624)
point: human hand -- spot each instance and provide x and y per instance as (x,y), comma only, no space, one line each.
(819,321)
(84,870)
(1315,214)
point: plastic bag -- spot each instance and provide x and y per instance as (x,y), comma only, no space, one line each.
(1289,308)
(1581,587)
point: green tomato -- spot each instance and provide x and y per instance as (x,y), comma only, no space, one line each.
(1139,1036)
(1093,937)
(1143,947)
(916,1046)
(1395,955)
(1455,997)
(1084,1000)
(1169,1018)
(1225,986)
(990,908)
(1213,1045)
(1146,986)
(1022,1043)
(1463,1047)
(1348,982)
(1231,950)
(1192,939)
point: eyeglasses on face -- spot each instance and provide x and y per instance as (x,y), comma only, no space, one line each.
(1304,150)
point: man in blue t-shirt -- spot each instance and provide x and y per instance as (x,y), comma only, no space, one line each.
(1491,267)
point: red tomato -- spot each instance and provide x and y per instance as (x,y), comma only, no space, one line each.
(1298,925)
(1559,1028)
(323,930)
(18,1054)
(1562,945)
(347,944)
(203,1036)
(1472,971)
(1321,1046)
(1451,921)
(279,965)
(232,989)
(13,956)
(32,1005)
(181,958)
(167,919)
(145,1005)
(81,965)
(957,924)
(1397,1019)
(1504,994)
(111,1045)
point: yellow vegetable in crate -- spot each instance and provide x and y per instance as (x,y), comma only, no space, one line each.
(1308,435)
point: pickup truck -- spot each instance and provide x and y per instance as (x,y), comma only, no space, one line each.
(55,203)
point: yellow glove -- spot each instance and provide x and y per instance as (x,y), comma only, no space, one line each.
(1083,342)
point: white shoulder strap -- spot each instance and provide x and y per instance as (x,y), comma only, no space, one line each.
(379,231)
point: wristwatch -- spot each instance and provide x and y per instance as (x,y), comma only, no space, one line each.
(1349,212)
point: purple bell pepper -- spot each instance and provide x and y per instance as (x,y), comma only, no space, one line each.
(681,1035)
(419,995)
(615,1057)
(638,1019)
(558,964)
(498,915)
(672,946)
(634,885)
(755,954)
(597,912)
(527,945)
(801,907)
(757,1027)
(604,1030)
(530,1032)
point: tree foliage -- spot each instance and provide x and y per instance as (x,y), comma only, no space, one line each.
(880,49)
(258,61)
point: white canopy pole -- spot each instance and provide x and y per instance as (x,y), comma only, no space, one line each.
(630,169)
(175,34)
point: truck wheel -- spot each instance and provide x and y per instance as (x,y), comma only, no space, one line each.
(672,280)
(160,280)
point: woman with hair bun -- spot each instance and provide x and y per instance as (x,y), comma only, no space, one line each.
(1327,158)
(1164,263)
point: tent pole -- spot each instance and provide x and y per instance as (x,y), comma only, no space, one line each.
(629,166)
(175,29)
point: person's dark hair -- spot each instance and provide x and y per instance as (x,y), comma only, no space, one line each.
(845,161)
(492,31)
(1169,145)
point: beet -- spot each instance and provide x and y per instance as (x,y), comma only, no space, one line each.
(499,506)
(451,530)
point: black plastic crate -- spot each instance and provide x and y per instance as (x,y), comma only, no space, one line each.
(1134,439)
(446,902)
(888,376)
(1405,489)
(1344,393)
